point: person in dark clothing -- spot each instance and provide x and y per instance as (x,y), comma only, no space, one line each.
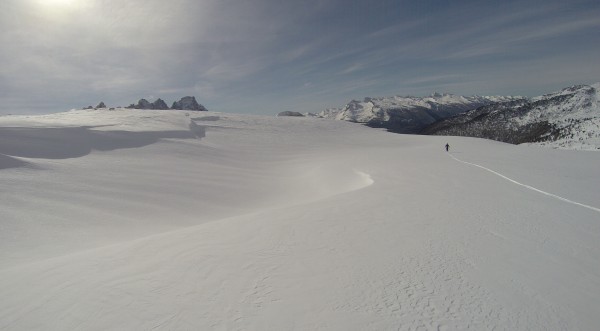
(447,147)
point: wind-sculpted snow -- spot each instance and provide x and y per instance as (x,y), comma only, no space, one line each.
(10,162)
(277,223)
(105,198)
(67,142)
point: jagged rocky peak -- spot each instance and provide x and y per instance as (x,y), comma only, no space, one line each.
(185,103)
(188,103)
(143,104)
(159,104)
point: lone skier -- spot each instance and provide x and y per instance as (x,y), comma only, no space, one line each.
(447,147)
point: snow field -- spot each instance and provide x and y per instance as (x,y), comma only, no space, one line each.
(291,223)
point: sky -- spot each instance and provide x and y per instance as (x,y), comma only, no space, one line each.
(268,56)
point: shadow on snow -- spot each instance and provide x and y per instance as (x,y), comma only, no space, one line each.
(64,143)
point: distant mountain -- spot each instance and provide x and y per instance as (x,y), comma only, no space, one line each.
(290,113)
(569,118)
(145,104)
(159,104)
(409,114)
(188,103)
(185,103)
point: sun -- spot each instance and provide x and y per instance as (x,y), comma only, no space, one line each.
(58,11)
(56,3)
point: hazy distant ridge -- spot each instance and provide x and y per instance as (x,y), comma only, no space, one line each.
(408,114)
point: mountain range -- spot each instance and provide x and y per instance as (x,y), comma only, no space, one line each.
(569,118)
(409,114)
(185,103)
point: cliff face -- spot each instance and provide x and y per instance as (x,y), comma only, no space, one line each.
(188,103)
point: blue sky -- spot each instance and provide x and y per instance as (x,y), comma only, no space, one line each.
(267,56)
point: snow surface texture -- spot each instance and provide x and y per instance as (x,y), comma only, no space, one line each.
(174,220)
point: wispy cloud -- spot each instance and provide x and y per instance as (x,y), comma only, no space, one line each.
(292,53)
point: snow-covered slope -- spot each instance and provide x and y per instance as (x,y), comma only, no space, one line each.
(174,220)
(569,118)
(409,114)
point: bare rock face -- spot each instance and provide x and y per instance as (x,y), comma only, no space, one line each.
(188,103)
(144,104)
(159,104)
(185,103)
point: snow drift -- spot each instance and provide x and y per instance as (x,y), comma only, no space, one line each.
(146,219)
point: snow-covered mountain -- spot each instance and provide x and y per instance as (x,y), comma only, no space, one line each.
(407,114)
(569,118)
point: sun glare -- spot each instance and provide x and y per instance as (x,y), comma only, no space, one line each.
(56,3)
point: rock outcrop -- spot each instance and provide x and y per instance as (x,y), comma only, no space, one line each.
(188,103)
(185,103)
(290,113)
(144,104)
(159,104)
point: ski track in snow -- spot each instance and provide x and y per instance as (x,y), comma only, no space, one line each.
(527,186)
(282,224)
